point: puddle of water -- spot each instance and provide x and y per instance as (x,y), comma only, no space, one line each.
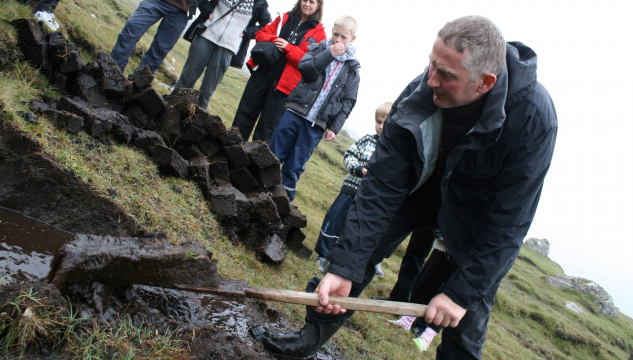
(226,314)
(27,246)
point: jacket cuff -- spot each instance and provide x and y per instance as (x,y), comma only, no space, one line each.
(461,292)
(359,171)
(337,257)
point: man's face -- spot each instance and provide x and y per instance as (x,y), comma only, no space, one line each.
(342,35)
(380,121)
(449,79)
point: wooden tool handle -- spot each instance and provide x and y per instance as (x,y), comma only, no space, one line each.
(303,298)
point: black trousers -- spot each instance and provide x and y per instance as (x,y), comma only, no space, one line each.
(464,342)
(419,247)
(260,100)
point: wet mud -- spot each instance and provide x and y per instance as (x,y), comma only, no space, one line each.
(94,272)
(27,246)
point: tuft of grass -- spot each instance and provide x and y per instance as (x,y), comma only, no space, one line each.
(32,320)
(18,85)
(12,9)
(124,341)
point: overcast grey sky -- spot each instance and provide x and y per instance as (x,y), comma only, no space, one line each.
(584,56)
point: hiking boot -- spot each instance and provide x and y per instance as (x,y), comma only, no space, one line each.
(48,19)
(321,264)
(303,343)
(379,271)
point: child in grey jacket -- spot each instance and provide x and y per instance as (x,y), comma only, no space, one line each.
(320,103)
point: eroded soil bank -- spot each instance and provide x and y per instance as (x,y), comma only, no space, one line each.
(212,326)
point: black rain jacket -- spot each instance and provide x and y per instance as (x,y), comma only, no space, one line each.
(490,187)
(340,100)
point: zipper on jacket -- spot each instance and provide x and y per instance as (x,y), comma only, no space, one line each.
(338,80)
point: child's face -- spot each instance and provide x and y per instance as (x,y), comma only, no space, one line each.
(380,121)
(342,35)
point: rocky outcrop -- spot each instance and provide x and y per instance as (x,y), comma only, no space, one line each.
(575,308)
(240,181)
(541,246)
(602,297)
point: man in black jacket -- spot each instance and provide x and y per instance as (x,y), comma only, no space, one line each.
(466,151)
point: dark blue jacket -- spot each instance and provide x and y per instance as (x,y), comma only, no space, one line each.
(490,187)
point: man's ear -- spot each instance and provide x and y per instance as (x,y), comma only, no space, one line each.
(488,82)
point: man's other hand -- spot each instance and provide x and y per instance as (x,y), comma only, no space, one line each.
(330,135)
(443,312)
(332,284)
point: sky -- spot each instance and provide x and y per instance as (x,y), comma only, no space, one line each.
(583,48)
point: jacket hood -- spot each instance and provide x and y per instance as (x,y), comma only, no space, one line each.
(515,80)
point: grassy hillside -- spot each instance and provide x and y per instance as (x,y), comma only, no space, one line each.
(529,320)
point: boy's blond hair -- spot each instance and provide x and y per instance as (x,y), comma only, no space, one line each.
(383,109)
(347,22)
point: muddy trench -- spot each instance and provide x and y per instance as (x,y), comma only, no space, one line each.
(213,326)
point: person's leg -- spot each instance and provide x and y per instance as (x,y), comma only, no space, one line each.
(219,63)
(321,327)
(251,104)
(466,341)
(47,6)
(146,15)
(420,245)
(308,137)
(197,59)
(274,108)
(283,140)
(168,33)
(333,224)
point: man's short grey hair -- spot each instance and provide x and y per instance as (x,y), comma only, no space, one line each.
(481,40)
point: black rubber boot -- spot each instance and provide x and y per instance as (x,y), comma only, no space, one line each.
(306,342)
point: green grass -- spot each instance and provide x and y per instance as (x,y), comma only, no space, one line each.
(529,320)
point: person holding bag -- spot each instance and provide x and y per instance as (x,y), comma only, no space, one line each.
(215,37)
(272,79)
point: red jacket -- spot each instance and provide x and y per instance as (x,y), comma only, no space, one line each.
(291,75)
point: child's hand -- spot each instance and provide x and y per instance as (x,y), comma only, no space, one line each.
(338,49)
(329,135)
(364,171)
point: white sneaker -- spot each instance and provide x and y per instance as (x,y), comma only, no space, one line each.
(321,264)
(48,19)
(379,271)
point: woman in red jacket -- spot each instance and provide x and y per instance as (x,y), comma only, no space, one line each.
(267,89)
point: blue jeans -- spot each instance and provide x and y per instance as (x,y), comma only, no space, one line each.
(293,142)
(47,5)
(168,33)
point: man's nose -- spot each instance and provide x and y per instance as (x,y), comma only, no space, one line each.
(433,81)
